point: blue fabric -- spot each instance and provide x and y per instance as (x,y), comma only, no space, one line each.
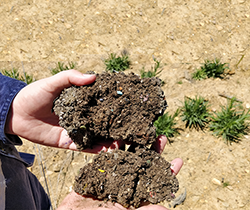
(8,89)
(28,158)
(23,190)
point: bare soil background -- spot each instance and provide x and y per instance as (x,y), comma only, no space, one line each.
(179,33)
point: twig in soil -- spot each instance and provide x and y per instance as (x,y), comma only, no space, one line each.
(40,158)
(208,157)
(163,11)
(11,9)
(24,74)
(13,70)
(51,194)
(187,77)
(240,61)
(180,199)
(65,173)
(89,3)
(229,97)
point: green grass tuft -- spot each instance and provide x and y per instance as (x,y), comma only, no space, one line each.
(154,72)
(117,63)
(214,69)
(199,75)
(230,123)
(60,67)
(15,74)
(195,113)
(165,125)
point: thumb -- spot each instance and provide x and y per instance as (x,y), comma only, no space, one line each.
(64,79)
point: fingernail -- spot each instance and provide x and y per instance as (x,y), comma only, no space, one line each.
(172,169)
(73,146)
(88,75)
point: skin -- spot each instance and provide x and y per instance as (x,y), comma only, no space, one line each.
(32,107)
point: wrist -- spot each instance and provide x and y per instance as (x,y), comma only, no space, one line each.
(8,124)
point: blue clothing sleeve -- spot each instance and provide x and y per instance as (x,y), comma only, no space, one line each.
(21,189)
(9,87)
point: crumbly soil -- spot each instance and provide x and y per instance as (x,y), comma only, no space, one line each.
(181,34)
(118,106)
(128,178)
(115,106)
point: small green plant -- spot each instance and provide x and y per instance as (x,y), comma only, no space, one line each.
(29,78)
(15,74)
(165,125)
(60,67)
(117,63)
(199,75)
(11,73)
(195,112)
(225,184)
(230,123)
(180,82)
(214,69)
(154,72)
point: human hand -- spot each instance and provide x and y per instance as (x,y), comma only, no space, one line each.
(30,116)
(73,201)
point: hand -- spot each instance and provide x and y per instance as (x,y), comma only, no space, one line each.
(31,118)
(73,201)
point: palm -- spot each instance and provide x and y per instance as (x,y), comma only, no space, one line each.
(77,202)
(37,114)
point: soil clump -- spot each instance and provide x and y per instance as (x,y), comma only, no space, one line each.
(115,106)
(128,178)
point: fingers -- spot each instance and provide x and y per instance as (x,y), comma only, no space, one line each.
(176,165)
(107,146)
(160,143)
(65,142)
(117,144)
(66,79)
(69,144)
(95,149)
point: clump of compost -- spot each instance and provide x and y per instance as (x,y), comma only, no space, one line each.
(128,178)
(124,107)
(115,106)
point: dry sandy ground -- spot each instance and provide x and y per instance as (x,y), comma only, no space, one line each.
(179,33)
